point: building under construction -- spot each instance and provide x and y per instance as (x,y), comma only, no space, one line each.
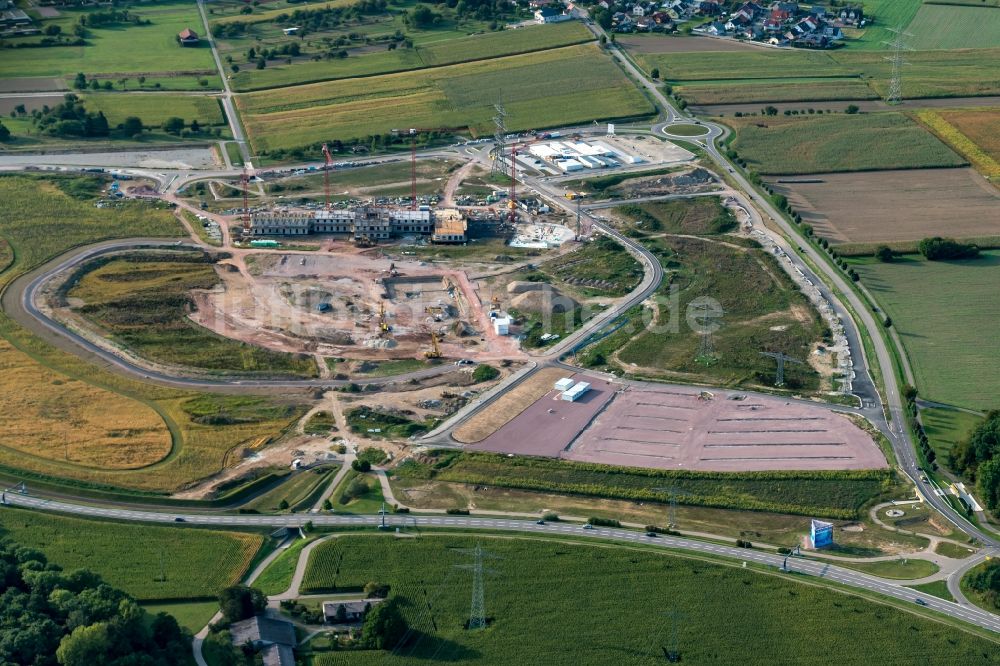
(363,223)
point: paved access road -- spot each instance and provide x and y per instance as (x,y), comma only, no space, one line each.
(810,568)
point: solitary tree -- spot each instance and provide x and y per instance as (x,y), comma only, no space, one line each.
(884,253)
(655,72)
(173,125)
(132,126)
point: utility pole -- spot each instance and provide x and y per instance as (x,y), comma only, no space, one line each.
(898,46)
(781,359)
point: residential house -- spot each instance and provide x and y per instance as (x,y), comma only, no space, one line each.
(550,15)
(716,28)
(638,10)
(348,612)
(852,16)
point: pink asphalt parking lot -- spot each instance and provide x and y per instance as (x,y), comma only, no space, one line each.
(646,425)
(549,425)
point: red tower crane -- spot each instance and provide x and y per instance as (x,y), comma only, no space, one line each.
(245,181)
(326,174)
(413,132)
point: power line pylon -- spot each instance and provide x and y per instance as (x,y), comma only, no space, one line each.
(898,46)
(703,313)
(499,138)
(477,613)
(672,650)
(781,359)
(672,494)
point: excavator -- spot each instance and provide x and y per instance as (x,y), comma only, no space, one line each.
(436,351)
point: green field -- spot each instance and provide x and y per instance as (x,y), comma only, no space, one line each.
(700,216)
(882,15)
(546,596)
(603,260)
(153,109)
(947,427)
(428,54)
(548,88)
(832,494)
(195,563)
(838,142)
(721,77)
(760,309)
(141,301)
(116,51)
(946,314)
(941,27)
(297,493)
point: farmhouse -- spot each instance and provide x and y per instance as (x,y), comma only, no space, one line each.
(188,37)
(273,638)
(347,612)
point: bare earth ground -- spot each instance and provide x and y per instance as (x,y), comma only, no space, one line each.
(888,206)
(676,44)
(550,424)
(31,83)
(649,425)
(508,406)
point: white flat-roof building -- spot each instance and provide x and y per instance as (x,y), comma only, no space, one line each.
(501,325)
(575,392)
(564,384)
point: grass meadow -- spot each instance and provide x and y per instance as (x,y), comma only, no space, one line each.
(542,596)
(548,88)
(195,563)
(760,308)
(154,109)
(947,427)
(118,51)
(838,142)
(831,494)
(456,49)
(945,313)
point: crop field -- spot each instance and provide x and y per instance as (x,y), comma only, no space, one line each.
(760,309)
(588,594)
(973,133)
(195,563)
(548,88)
(53,417)
(428,54)
(698,216)
(119,51)
(154,109)
(948,27)
(945,314)
(725,77)
(827,493)
(839,142)
(895,207)
(775,91)
(140,301)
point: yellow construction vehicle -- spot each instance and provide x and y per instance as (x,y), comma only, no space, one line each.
(495,303)
(436,351)
(383,326)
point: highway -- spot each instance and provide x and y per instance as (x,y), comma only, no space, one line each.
(821,570)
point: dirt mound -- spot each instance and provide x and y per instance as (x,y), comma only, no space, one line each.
(544,302)
(519,287)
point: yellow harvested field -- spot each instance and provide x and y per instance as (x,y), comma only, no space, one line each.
(52,416)
(973,133)
(506,407)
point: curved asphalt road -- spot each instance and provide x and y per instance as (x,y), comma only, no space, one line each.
(812,568)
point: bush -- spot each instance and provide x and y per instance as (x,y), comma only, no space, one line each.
(741,543)
(359,465)
(484,373)
(941,249)
(884,253)
(604,522)
(550,517)
(457,512)
(851,109)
